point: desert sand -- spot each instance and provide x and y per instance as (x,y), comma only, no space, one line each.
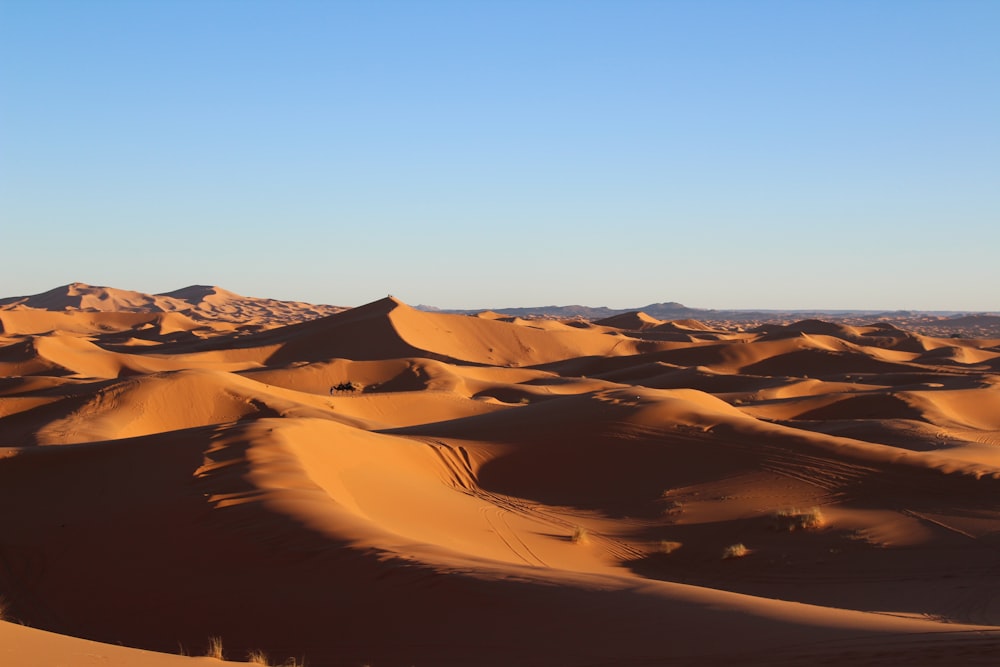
(488,490)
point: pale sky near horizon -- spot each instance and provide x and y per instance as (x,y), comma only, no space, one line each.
(828,154)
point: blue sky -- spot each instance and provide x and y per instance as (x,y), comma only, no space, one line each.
(489,154)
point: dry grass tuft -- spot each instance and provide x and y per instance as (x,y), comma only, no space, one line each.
(215,648)
(668,547)
(5,613)
(257,657)
(670,506)
(795,519)
(580,535)
(738,550)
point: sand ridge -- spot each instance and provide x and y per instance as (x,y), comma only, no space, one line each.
(199,302)
(384,485)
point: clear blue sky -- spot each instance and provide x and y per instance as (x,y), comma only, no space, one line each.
(800,154)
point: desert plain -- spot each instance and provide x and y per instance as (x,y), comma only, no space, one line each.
(200,474)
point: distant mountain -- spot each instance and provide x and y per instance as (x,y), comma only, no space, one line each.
(662,311)
(195,301)
(671,310)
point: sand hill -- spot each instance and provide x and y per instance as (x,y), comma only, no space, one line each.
(390,486)
(200,302)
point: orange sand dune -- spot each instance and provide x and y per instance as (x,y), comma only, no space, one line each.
(388,486)
(80,296)
(635,321)
(27,321)
(198,301)
(391,329)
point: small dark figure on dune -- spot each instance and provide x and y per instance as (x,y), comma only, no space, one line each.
(344,386)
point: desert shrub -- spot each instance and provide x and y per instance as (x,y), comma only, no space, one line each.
(668,547)
(214,648)
(580,535)
(672,507)
(257,657)
(738,550)
(797,519)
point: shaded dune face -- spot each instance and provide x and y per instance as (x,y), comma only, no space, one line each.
(384,485)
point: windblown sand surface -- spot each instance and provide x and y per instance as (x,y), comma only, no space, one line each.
(495,492)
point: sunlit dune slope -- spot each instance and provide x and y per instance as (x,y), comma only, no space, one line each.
(389,328)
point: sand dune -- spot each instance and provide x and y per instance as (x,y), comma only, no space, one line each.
(197,301)
(80,296)
(635,321)
(389,486)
